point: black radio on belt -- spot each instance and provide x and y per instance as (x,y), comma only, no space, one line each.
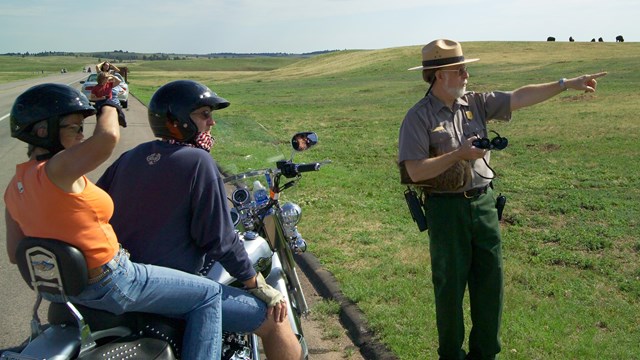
(497,143)
(416,208)
(501,201)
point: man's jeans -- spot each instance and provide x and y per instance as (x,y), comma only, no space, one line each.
(241,311)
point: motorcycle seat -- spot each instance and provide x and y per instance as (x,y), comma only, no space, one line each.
(143,324)
(56,267)
(99,319)
(132,347)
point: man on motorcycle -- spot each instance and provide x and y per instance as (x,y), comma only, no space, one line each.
(171,210)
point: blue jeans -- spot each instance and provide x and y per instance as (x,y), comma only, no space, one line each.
(154,289)
(241,311)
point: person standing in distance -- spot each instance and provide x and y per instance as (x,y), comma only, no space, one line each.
(106,66)
(436,152)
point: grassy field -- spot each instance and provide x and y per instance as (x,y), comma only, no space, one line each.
(570,230)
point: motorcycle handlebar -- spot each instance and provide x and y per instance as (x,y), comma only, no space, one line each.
(289,169)
(307,167)
(286,168)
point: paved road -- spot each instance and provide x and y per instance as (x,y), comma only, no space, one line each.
(16,298)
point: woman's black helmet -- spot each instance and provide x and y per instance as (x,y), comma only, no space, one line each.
(48,102)
(171,106)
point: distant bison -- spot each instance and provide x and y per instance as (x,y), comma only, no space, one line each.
(571,38)
(619,38)
(551,38)
(593,40)
(600,40)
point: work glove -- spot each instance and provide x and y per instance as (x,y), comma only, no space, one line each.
(265,292)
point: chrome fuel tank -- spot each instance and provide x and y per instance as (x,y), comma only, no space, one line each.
(259,252)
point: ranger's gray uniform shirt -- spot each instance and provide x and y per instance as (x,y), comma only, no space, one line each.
(431,124)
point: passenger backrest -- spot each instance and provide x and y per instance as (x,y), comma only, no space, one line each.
(52,266)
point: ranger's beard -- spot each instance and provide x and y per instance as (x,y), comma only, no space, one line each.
(456,92)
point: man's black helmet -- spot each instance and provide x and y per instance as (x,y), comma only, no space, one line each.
(171,106)
(47,102)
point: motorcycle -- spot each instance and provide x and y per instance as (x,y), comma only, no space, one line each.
(268,230)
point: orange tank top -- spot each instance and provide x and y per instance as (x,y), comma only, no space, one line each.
(44,210)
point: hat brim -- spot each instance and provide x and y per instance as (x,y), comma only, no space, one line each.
(442,66)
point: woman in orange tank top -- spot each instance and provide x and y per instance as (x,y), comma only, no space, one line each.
(51,197)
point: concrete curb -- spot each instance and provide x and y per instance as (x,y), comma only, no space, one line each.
(350,316)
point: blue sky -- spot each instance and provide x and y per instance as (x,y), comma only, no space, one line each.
(297,26)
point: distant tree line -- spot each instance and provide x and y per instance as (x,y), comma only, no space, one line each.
(123,56)
(44,53)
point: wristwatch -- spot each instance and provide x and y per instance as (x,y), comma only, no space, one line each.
(563,84)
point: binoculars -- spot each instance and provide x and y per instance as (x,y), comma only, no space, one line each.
(497,142)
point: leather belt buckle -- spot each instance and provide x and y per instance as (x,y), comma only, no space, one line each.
(95,272)
(98,275)
(470,194)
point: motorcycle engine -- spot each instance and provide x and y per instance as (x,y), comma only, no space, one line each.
(235,346)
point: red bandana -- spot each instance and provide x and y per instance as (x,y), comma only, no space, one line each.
(203,140)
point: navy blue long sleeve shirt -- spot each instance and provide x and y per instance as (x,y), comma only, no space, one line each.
(171,209)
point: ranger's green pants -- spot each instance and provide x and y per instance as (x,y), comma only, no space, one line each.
(465,247)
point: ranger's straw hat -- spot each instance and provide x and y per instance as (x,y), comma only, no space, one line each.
(441,53)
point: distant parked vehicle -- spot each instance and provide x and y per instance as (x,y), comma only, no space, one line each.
(123,94)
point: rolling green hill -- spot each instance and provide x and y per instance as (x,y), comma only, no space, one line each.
(572,254)
(570,229)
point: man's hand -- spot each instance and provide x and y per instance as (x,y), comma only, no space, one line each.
(279,311)
(469,152)
(587,83)
(272,297)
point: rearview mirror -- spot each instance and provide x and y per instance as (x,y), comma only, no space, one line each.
(304,140)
